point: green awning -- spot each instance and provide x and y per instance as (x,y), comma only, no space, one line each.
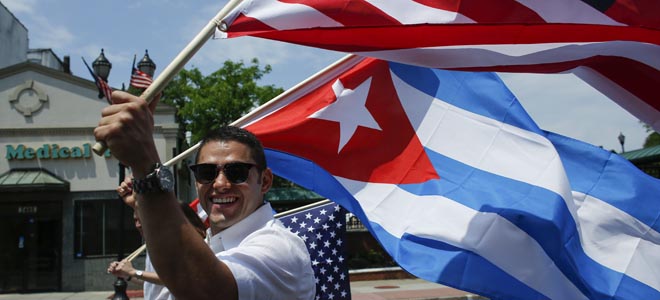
(31,179)
(643,155)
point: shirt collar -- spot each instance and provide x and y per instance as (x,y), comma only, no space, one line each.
(232,236)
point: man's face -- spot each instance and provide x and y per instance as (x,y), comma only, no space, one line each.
(138,224)
(227,203)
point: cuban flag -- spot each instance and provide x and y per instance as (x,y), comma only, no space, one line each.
(462,188)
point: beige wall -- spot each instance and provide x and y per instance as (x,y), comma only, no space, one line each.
(66,111)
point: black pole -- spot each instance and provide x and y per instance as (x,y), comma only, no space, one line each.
(120,252)
(120,284)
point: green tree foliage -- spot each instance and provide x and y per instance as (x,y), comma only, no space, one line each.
(653,139)
(208,102)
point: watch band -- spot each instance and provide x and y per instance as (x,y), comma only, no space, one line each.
(159,180)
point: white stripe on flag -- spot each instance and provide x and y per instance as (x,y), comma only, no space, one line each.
(201,212)
(438,218)
(400,10)
(275,14)
(579,13)
(519,54)
(633,251)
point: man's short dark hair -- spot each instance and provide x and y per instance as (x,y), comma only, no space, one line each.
(233,133)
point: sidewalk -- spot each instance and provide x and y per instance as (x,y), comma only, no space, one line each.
(406,289)
(395,289)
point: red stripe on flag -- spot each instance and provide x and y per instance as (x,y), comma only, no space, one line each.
(637,13)
(353,13)
(501,11)
(246,25)
(418,36)
(107,91)
(643,84)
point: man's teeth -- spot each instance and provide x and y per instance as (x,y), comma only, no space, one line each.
(223,200)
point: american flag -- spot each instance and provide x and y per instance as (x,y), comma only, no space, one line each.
(104,89)
(322,227)
(612,45)
(140,79)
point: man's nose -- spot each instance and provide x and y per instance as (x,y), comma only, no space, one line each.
(221,181)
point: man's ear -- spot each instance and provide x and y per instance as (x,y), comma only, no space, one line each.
(266,180)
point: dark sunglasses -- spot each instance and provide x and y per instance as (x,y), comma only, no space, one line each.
(235,172)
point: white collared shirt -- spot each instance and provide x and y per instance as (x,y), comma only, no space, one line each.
(154,291)
(267,260)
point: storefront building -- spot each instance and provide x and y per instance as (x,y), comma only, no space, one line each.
(59,212)
(60,217)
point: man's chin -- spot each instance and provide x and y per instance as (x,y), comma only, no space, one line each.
(218,222)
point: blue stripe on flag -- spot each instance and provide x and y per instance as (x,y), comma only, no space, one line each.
(598,172)
(309,175)
(487,95)
(450,265)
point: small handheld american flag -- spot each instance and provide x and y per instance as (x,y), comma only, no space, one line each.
(139,79)
(104,88)
(323,227)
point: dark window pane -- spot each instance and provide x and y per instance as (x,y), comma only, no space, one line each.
(88,229)
(98,229)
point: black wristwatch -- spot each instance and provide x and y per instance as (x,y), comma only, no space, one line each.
(159,180)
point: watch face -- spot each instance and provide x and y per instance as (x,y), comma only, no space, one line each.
(166,179)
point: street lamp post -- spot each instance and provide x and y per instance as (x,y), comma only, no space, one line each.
(622,141)
(102,67)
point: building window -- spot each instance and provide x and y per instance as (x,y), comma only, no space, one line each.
(98,231)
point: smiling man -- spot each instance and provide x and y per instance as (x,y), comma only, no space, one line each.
(249,255)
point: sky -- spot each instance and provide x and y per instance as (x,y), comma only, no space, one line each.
(124,28)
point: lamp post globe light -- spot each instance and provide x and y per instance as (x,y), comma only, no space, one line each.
(102,66)
(147,65)
(622,141)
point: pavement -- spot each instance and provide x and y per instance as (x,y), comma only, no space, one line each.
(395,289)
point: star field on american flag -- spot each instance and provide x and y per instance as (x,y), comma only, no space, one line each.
(322,228)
